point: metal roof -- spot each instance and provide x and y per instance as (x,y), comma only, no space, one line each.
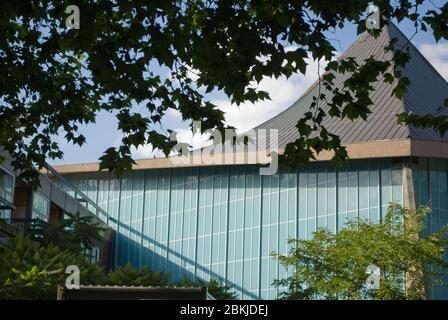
(425,94)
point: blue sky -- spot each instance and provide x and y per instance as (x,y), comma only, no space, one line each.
(284,92)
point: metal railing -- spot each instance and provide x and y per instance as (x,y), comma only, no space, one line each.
(80,196)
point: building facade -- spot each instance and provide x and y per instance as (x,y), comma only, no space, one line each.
(22,206)
(225,221)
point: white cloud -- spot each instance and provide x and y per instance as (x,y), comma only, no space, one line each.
(194,140)
(145,152)
(283,92)
(183,136)
(437,54)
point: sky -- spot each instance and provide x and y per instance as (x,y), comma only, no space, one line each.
(283,92)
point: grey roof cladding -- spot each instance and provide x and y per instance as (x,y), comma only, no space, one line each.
(425,94)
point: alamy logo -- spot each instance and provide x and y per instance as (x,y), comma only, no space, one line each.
(373,17)
(373,280)
(72,21)
(253,147)
(73,280)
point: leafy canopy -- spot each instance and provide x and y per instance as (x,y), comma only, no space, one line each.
(53,79)
(333,266)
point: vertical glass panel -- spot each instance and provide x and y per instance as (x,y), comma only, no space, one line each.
(331,191)
(274,200)
(352,191)
(342,197)
(303,182)
(284,205)
(331,198)
(442,184)
(103,193)
(41,207)
(265,235)
(363,167)
(322,208)
(136,216)
(386,185)
(435,199)
(373,191)
(6,185)
(311,199)
(423,174)
(6,215)
(397,181)
(443,191)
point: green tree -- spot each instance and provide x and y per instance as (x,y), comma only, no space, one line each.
(75,233)
(130,276)
(333,266)
(29,270)
(53,79)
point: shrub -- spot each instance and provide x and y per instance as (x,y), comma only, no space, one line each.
(29,270)
(220,291)
(130,276)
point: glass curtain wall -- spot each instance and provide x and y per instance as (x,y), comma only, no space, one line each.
(225,221)
(431,189)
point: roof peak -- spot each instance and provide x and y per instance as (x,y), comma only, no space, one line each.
(425,94)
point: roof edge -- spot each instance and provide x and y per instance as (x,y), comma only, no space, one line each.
(360,150)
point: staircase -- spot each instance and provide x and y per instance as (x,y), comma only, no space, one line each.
(81,197)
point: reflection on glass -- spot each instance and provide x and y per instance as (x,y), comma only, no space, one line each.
(41,207)
(6,185)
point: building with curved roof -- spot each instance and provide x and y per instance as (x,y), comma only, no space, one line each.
(224,221)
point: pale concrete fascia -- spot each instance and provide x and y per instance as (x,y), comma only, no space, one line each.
(362,150)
